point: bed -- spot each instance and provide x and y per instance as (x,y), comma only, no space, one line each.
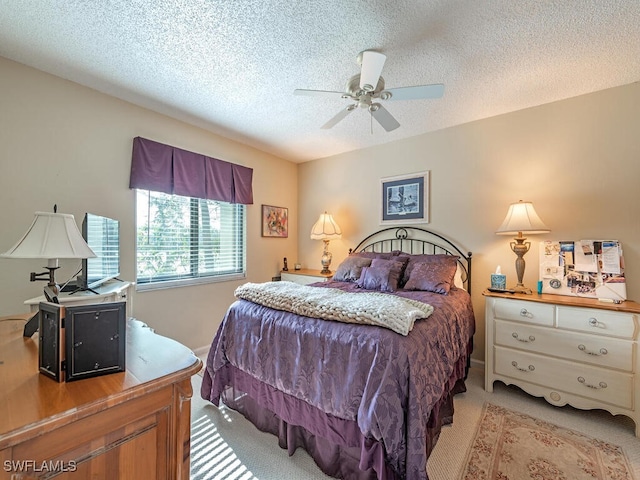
(365,401)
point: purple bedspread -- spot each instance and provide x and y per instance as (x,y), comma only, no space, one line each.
(384,382)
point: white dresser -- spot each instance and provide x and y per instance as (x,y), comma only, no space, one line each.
(305,276)
(568,350)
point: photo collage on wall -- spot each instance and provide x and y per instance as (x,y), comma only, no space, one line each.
(586,268)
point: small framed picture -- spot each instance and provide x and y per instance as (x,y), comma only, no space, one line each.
(405,199)
(275,221)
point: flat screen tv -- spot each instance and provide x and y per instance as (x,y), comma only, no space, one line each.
(102,234)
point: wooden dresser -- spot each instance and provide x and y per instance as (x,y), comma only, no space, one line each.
(569,350)
(129,425)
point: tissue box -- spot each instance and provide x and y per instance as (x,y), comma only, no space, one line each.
(498,281)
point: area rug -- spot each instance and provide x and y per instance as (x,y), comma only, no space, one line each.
(514,446)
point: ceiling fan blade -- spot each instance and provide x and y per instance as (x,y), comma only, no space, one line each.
(416,93)
(383,117)
(372,63)
(317,93)
(340,116)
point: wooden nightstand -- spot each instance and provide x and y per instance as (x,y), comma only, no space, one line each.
(305,276)
(569,350)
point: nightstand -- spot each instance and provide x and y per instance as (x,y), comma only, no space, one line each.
(569,350)
(305,276)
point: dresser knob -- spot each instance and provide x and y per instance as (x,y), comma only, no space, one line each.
(594,322)
(525,313)
(523,340)
(530,368)
(602,351)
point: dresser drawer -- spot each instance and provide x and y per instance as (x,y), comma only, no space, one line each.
(522,311)
(593,349)
(614,388)
(599,322)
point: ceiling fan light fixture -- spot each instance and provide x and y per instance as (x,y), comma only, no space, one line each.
(367,86)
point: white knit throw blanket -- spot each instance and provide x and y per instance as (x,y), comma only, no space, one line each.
(371,308)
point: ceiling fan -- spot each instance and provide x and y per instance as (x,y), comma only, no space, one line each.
(366,89)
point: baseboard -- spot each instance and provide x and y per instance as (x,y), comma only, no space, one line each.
(477,363)
(200,351)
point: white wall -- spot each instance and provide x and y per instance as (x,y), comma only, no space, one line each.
(577,160)
(64,144)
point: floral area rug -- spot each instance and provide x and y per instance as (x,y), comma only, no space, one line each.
(513,446)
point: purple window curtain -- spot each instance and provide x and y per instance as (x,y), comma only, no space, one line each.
(163,168)
(242,181)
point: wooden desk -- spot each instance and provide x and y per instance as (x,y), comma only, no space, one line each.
(128,425)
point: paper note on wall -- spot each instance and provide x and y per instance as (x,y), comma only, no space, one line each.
(585,256)
(611,255)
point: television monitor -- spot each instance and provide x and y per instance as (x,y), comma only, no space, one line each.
(102,234)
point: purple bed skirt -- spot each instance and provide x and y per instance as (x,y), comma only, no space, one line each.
(336,445)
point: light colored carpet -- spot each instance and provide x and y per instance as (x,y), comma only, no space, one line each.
(225,446)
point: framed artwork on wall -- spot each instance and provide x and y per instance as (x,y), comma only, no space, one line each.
(275,221)
(405,199)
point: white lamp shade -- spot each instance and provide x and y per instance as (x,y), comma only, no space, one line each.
(51,236)
(325,228)
(522,217)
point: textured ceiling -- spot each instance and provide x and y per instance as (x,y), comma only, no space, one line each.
(231,66)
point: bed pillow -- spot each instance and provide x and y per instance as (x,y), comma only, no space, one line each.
(382,275)
(374,278)
(413,260)
(351,268)
(457,278)
(372,255)
(432,277)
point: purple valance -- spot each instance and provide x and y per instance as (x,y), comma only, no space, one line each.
(163,168)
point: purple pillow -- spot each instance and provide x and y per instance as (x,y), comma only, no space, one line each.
(397,268)
(350,269)
(373,255)
(375,278)
(414,260)
(432,277)
(382,275)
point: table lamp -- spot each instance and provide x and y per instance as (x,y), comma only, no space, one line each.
(51,236)
(521,218)
(325,229)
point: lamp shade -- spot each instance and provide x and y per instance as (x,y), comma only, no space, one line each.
(51,236)
(522,217)
(325,228)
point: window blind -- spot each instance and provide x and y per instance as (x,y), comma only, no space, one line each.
(183,239)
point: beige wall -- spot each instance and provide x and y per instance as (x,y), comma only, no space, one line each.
(577,160)
(64,144)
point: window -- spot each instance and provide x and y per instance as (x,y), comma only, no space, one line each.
(183,240)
